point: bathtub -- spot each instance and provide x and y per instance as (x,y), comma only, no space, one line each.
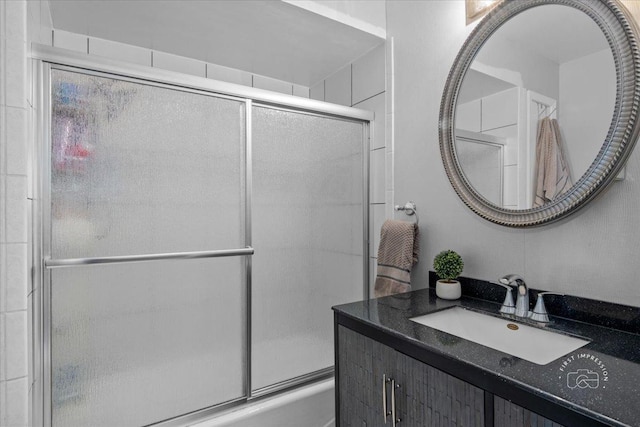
(309,406)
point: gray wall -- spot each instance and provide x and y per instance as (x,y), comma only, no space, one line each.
(595,253)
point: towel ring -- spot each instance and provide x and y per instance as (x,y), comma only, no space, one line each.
(410,209)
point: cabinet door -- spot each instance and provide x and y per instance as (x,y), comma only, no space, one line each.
(428,396)
(363,364)
(507,414)
(423,395)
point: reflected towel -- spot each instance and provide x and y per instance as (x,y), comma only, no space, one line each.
(398,252)
(552,170)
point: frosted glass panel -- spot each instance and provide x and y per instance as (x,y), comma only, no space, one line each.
(134,344)
(142,169)
(308,235)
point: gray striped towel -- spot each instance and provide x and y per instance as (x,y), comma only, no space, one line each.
(398,252)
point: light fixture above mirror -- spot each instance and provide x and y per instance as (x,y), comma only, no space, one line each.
(586,75)
(476,9)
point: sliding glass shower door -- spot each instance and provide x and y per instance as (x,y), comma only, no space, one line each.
(139,169)
(153,200)
(308,230)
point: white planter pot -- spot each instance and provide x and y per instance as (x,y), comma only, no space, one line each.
(450,290)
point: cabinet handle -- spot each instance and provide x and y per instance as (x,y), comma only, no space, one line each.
(385,380)
(393,402)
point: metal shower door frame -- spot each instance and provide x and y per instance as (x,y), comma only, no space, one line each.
(44,59)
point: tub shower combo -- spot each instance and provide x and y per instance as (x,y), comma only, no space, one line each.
(190,237)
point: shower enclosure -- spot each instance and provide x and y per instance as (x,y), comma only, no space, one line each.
(189,244)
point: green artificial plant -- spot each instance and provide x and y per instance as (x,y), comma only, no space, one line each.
(448,265)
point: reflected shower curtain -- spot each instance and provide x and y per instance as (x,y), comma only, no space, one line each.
(553,176)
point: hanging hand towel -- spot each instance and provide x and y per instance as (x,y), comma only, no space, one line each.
(552,170)
(397,253)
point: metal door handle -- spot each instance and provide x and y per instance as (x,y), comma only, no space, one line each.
(385,380)
(394,386)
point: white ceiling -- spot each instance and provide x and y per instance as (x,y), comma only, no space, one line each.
(559,33)
(266,37)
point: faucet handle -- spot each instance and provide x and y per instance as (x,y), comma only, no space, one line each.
(508,306)
(539,313)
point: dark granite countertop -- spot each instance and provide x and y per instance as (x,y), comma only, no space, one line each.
(613,354)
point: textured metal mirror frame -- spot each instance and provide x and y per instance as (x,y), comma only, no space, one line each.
(622,35)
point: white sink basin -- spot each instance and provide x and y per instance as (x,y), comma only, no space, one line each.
(526,342)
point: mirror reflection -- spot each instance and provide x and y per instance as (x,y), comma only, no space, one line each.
(535,107)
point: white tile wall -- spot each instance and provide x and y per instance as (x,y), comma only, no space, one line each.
(15,261)
(3,204)
(301,91)
(377,160)
(389,211)
(273,85)
(71,41)
(16,209)
(317,91)
(510,196)
(16,344)
(39,23)
(500,109)
(120,51)
(388,167)
(369,74)
(229,75)
(3,143)
(377,216)
(3,71)
(167,61)
(14,114)
(468,116)
(3,375)
(15,69)
(377,105)
(16,128)
(179,64)
(15,20)
(373,265)
(337,87)
(16,403)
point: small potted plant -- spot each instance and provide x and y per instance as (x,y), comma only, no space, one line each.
(448,265)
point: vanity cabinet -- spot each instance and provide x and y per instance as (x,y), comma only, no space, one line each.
(439,379)
(508,414)
(379,386)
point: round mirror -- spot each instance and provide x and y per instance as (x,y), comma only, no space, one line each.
(540,109)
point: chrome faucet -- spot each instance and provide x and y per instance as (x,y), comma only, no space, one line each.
(539,313)
(522,298)
(508,307)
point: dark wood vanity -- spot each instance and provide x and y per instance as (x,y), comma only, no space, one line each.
(391,371)
(374,377)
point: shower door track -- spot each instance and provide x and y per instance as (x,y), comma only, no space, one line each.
(45,58)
